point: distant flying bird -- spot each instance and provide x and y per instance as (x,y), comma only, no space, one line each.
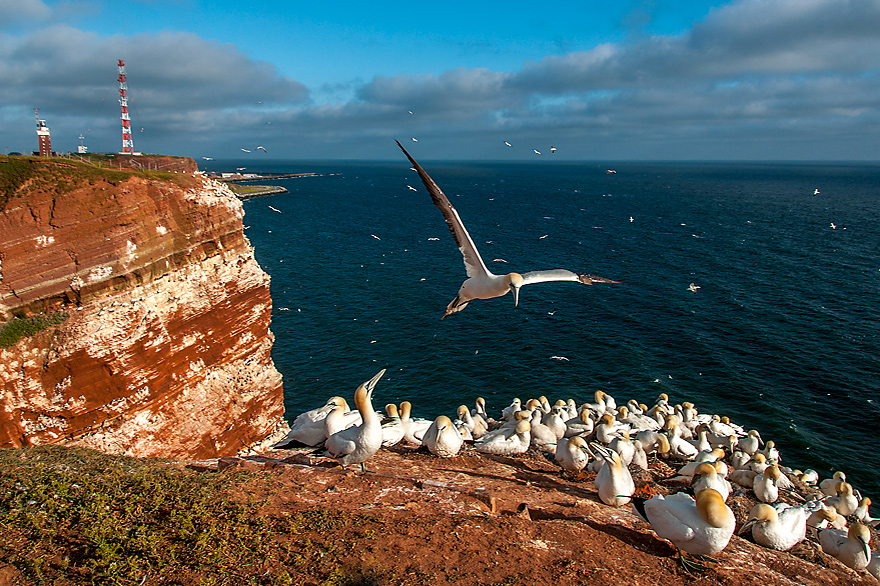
(274,209)
(507,143)
(240,168)
(376,237)
(553,149)
(816,192)
(537,152)
(415,139)
(693,288)
(410,111)
(542,237)
(208,158)
(259,148)
(833,226)
(482,283)
(411,187)
(245,150)
(631,219)
(558,358)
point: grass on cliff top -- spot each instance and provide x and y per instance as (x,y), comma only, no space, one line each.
(23,327)
(77,516)
(19,175)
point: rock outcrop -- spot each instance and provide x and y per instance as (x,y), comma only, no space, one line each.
(165,350)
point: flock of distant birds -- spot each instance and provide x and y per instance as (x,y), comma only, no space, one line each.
(715,458)
(608,439)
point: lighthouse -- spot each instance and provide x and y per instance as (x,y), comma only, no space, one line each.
(43,135)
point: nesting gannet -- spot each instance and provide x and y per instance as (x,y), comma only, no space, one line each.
(358,444)
(705,477)
(392,429)
(481,282)
(308,427)
(508,412)
(829,485)
(513,441)
(624,447)
(844,501)
(572,455)
(809,477)
(698,527)
(442,438)
(581,425)
(414,428)
(607,429)
(542,436)
(751,443)
(850,547)
(614,483)
(476,426)
(766,485)
(780,527)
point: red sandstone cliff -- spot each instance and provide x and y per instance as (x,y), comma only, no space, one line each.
(166,350)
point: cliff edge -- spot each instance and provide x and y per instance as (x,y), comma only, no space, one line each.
(158,340)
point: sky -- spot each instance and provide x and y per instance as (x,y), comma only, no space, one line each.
(596,79)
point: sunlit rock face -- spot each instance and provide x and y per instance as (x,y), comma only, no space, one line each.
(166,347)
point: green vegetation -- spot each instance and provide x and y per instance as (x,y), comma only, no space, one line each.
(21,175)
(76,516)
(23,327)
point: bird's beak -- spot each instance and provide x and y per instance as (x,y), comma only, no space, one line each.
(371,384)
(515,290)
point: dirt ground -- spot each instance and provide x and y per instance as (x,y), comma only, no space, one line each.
(479,519)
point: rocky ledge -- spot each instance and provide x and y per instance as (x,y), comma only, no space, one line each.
(163,346)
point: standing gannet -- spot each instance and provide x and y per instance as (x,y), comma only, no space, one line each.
(572,455)
(863,514)
(513,441)
(698,527)
(580,425)
(308,427)
(358,444)
(482,283)
(613,482)
(850,547)
(780,527)
(751,443)
(442,438)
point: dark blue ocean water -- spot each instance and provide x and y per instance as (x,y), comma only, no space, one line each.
(782,336)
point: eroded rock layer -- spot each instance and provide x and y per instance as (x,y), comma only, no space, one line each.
(166,347)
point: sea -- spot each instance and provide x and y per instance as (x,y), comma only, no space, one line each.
(782,335)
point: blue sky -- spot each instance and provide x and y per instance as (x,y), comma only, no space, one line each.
(599,80)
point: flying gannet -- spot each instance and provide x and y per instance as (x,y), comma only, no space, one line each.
(481,282)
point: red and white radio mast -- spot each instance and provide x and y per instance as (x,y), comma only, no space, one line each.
(127,144)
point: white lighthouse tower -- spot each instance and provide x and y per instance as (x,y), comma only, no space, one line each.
(43,135)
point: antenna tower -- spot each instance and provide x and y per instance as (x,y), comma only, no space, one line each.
(127,144)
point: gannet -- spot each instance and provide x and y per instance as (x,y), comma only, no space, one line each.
(507,412)
(765,485)
(844,501)
(624,448)
(698,527)
(822,516)
(750,443)
(693,288)
(572,455)
(542,436)
(829,485)
(475,425)
(581,425)
(513,441)
(874,565)
(809,477)
(613,482)
(607,429)
(308,427)
(392,429)
(780,527)
(705,477)
(358,444)
(770,452)
(442,438)
(414,428)
(481,282)
(850,547)
(863,514)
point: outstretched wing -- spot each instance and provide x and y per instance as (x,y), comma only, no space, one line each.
(562,275)
(473,263)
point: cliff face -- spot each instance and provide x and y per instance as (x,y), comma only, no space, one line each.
(166,347)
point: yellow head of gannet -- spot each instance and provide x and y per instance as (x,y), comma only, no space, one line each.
(780,528)
(850,548)
(614,483)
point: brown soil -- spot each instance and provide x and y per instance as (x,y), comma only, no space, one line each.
(477,519)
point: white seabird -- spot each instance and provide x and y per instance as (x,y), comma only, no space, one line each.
(780,527)
(849,547)
(699,527)
(693,287)
(308,427)
(358,444)
(614,483)
(442,438)
(481,282)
